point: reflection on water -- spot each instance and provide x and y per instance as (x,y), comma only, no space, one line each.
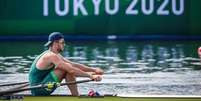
(15,64)
(146,68)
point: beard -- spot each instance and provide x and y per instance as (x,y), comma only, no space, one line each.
(60,50)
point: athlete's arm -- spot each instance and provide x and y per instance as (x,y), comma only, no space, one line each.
(57,60)
(85,68)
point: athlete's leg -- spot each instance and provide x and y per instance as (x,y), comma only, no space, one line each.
(61,74)
(73,88)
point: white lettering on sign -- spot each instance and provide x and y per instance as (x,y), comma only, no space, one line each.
(150,7)
(45,8)
(131,9)
(112,7)
(161,10)
(96,6)
(78,4)
(181,7)
(108,8)
(58,9)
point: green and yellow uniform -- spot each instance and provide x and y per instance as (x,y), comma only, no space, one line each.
(37,76)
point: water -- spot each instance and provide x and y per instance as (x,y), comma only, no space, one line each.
(140,68)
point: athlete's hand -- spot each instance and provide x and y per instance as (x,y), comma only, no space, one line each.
(98,71)
(96,77)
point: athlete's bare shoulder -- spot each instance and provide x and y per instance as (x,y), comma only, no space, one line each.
(50,54)
(46,60)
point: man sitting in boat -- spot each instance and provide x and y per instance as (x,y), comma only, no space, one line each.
(51,66)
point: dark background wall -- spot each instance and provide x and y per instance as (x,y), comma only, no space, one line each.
(25,17)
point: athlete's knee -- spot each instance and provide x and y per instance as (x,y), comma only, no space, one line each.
(70,77)
(60,73)
(71,72)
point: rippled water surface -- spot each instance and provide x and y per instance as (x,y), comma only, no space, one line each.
(147,68)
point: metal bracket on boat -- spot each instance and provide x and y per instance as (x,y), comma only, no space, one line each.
(52,85)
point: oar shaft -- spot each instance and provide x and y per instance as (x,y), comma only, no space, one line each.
(76,82)
(12,84)
(20,90)
(40,86)
(20,86)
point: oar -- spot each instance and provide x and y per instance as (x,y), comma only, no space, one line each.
(19,86)
(49,86)
(12,84)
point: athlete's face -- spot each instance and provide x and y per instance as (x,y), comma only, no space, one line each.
(60,45)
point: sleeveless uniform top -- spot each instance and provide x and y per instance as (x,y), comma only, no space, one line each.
(37,76)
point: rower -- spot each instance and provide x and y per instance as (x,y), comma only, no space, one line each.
(51,66)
